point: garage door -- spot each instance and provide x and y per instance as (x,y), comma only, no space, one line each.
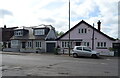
(50,47)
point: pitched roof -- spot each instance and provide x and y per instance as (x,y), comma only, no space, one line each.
(87,25)
(28,35)
(44,26)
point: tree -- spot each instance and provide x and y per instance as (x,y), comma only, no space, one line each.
(59,33)
(117,39)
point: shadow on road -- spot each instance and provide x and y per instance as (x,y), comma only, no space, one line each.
(101,57)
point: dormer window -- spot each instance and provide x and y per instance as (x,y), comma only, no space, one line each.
(39,32)
(18,33)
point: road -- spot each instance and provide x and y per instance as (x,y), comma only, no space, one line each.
(57,65)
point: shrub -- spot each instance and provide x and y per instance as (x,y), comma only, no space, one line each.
(111,49)
(56,51)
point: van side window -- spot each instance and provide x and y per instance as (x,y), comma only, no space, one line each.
(79,48)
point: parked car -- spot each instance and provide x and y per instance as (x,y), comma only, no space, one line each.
(84,51)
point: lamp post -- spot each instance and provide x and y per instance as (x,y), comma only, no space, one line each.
(69,28)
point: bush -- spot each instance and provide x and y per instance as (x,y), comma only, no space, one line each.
(111,49)
(56,51)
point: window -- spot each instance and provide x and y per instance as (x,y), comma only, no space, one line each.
(79,48)
(29,44)
(79,30)
(98,44)
(101,44)
(62,44)
(104,44)
(86,49)
(38,44)
(18,33)
(65,44)
(14,42)
(83,30)
(39,32)
(86,43)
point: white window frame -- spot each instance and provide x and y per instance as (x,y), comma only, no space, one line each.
(86,44)
(101,44)
(39,32)
(82,30)
(29,44)
(14,42)
(18,33)
(65,44)
(38,44)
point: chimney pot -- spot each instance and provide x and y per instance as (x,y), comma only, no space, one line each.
(99,25)
(4,26)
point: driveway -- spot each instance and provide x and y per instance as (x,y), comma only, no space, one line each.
(24,64)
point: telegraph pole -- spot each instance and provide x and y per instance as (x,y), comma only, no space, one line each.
(69,28)
(93,38)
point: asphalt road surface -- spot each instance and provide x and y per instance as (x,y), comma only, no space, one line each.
(57,65)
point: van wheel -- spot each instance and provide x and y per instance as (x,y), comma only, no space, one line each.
(75,55)
(94,56)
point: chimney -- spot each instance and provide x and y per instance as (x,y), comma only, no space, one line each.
(4,26)
(99,25)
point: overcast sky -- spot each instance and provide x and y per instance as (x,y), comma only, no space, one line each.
(55,13)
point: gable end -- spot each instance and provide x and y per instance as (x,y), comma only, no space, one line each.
(87,25)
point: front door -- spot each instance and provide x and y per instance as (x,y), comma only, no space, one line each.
(23,44)
(50,47)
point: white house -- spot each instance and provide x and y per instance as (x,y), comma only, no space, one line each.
(85,34)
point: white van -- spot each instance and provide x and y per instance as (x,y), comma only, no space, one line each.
(84,51)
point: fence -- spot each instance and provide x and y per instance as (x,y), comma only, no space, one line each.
(107,53)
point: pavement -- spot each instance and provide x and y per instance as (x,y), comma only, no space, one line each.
(32,64)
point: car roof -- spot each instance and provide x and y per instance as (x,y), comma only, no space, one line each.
(80,46)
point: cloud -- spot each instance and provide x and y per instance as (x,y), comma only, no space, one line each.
(49,20)
(55,12)
(54,5)
(4,12)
